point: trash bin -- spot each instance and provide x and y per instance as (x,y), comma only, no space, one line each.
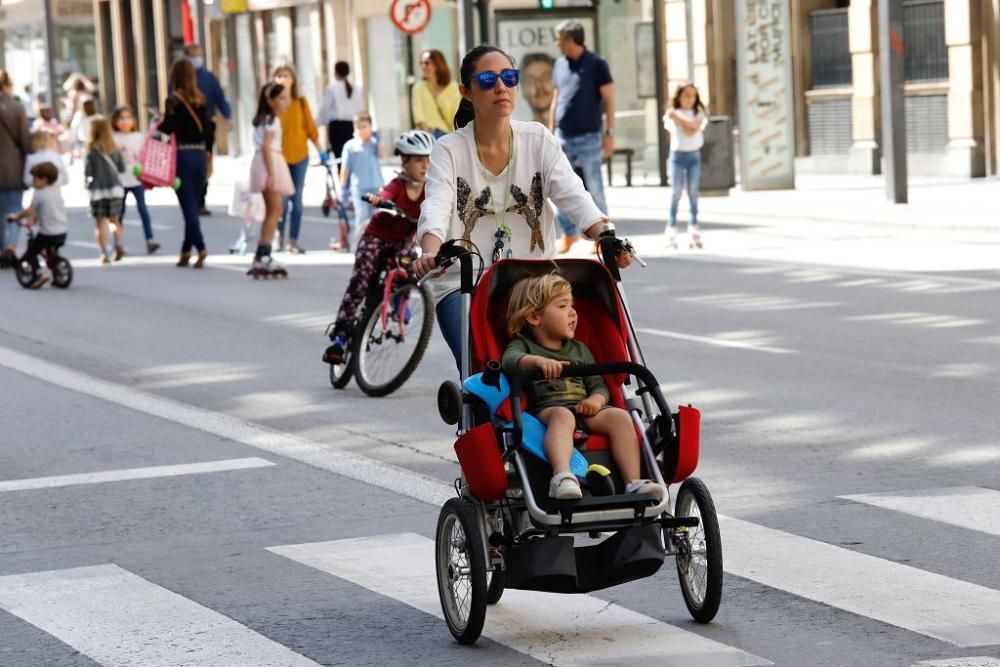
(718,161)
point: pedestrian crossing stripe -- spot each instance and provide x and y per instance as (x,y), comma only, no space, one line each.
(930,604)
(118,618)
(555,629)
(967,507)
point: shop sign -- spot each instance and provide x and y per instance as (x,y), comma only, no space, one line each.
(235,6)
(530,38)
(64,10)
(410,16)
(766,116)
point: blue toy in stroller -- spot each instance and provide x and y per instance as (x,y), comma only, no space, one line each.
(502,530)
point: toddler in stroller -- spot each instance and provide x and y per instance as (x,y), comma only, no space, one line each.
(542,322)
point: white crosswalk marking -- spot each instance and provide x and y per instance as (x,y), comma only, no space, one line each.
(555,629)
(974,661)
(119,618)
(931,604)
(718,341)
(132,473)
(964,506)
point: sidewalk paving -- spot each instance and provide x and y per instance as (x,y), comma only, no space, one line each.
(937,205)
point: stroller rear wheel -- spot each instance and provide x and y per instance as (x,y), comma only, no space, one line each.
(461,570)
(699,563)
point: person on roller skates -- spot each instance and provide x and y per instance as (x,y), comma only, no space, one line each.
(269,174)
(385,234)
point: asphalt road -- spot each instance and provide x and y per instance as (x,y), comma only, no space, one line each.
(816,381)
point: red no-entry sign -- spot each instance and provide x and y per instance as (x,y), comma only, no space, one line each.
(410,16)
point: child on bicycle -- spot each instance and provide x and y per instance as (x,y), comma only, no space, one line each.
(542,322)
(385,233)
(48,209)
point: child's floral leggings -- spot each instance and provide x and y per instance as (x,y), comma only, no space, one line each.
(368,258)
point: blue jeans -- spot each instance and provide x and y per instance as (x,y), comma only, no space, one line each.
(139,194)
(294,202)
(449,317)
(585,154)
(685,170)
(10,202)
(192,168)
(362,213)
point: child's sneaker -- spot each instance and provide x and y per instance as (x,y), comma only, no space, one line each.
(151,247)
(646,486)
(696,239)
(564,486)
(672,238)
(335,353)
(105,258)
(41,280)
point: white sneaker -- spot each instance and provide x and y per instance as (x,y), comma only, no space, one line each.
(646,486)
(672,237)
(564,486)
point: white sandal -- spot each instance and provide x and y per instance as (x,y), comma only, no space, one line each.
(564,486)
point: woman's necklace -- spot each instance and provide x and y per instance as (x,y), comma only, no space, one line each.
(503,234)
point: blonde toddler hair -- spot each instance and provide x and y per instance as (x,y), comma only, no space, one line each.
(532,295)
(42,139)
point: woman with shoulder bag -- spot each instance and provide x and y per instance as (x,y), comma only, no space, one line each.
(185,118)
(297,126)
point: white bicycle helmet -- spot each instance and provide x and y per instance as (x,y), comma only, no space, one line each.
(414,142)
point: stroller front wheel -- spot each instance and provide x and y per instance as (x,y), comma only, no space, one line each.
(699,561)
(461,570)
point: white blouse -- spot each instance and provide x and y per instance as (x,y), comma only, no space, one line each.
(464,200)
(274,127)
(680,140)
(338,106)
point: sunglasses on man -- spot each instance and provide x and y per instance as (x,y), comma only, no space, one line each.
(488,80)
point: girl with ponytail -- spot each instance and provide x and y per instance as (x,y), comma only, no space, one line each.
(489,182)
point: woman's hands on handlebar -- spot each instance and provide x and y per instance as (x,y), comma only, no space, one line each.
(427,262)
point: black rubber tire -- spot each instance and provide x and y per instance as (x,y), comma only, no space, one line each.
(377,389)
(62,273)
(461,512)
(340,374)
(326,210)
(704,610)
(25,273)
(496,581)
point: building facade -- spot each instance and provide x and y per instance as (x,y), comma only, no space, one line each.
(952,70)
(952,64)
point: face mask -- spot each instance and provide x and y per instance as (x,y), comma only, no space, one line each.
(197,61)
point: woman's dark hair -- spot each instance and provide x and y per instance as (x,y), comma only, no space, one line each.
(268,92)
(441,71)
(343,70)
(89,107)
(676,102)
(45,112)
(466,112)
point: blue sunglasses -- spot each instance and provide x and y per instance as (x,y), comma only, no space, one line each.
(488,80)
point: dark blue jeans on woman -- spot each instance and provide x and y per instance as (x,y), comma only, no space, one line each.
(685,172)
(449,317)
(192,168)
(294,201)
(139,194)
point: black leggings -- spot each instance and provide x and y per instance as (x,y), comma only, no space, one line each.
(40,243)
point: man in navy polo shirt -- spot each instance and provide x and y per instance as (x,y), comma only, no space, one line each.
(584,91)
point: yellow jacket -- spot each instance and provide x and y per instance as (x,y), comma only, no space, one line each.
(297,125)
(439,114)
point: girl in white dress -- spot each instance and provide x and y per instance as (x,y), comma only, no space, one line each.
(269,173)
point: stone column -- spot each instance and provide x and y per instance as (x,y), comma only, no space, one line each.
(865,154)
(965,155)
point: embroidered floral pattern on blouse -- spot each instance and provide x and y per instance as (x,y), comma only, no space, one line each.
(530,208)
(469,212)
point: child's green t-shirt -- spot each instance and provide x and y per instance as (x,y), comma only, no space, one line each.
(561,391)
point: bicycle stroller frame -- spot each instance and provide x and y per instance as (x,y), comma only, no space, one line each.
(502,530)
